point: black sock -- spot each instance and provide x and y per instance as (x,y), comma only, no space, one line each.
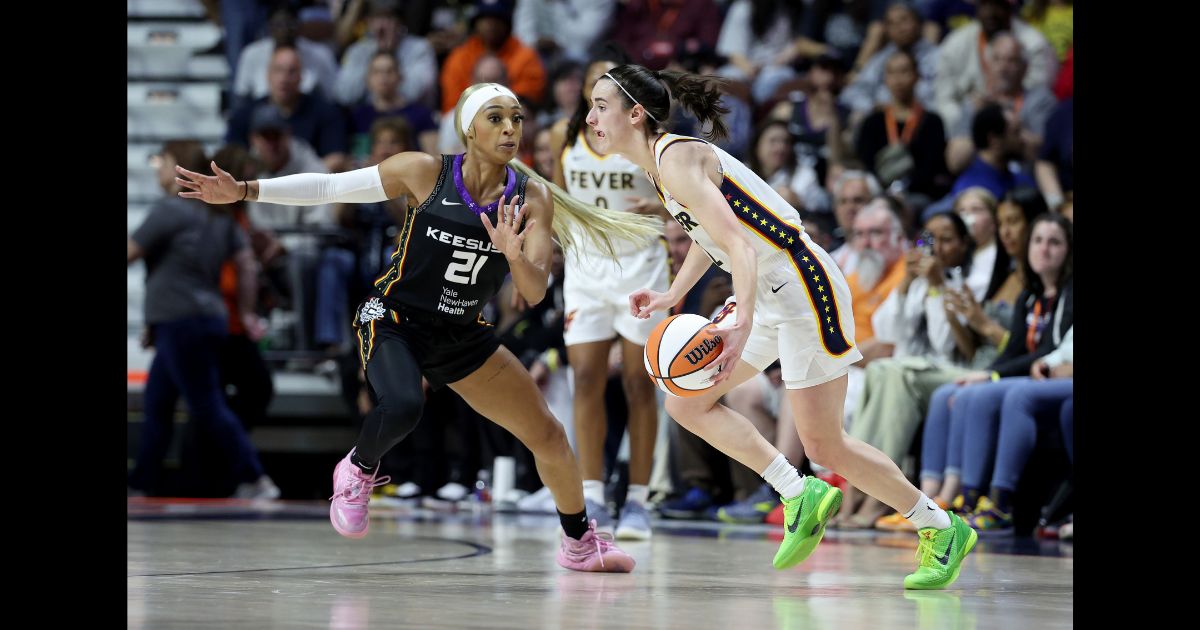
(575,525)
(1003,499)
(970,498)
(363,466)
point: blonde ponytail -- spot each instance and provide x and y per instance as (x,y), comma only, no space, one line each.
(601,226)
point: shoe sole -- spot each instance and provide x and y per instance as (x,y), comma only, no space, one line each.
(632,534)
(974,538)
(827,509)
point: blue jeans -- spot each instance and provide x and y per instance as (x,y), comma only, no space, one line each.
(1025,405)
(941,444)
(977,410)
(185,362)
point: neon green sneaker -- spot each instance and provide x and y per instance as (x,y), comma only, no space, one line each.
(940,554)
(804,519)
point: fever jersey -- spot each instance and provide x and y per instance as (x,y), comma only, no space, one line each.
(445,262)
(605,181)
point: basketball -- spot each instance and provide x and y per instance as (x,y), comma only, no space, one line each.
(678,352)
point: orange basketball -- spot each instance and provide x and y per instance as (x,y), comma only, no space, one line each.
(678,352)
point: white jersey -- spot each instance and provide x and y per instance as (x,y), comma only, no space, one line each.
(603,180)
(784,254)
(596,288)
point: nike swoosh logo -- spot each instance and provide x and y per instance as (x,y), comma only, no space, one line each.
(946,558)
(450,203)
(930,508)
(796,522)
(776,289)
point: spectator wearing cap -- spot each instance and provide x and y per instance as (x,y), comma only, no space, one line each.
(491,27)
(962,59)
(279,154)
(654,31)
(387,32)
(902,29)
(571,26)
(310,117)
(318,66)
(1031,106)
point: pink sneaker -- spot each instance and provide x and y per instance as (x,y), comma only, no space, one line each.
(351,492)
(594,552)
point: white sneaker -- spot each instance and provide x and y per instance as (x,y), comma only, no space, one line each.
(452,492)
(540,502)
(261,488)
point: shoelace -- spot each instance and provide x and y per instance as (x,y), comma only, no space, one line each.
(358,492)
(925,551)
(604,542)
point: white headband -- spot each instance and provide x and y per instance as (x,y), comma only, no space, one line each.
(635,101)
(478,98)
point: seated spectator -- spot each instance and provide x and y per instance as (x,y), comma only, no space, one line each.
(755,37)
(903,141)
(385,100)
(316,67)
(566,80)
(279,153)
(491,28)
(914,320)
(845,26)
(1042,399)
(961,428)
(387,33)
(816,119)
(996,165)
(880,245)
(566,28)
(310,117)
(773,159)
(852,191)
(869,89)
(962,60)
(1030,106)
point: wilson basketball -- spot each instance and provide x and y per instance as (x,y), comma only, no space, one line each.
(679,354)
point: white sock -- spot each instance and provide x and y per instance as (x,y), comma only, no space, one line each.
(593,489)
(926,513)
(784,477)
(637,494)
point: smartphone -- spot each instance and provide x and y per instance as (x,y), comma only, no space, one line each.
(925,242)
(956,278)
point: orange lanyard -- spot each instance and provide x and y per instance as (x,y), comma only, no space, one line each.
(910,125)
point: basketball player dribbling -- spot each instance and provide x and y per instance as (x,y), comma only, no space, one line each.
(792,303)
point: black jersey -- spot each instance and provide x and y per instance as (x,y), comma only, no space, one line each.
(445,262)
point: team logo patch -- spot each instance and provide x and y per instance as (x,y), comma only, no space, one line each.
(371,311)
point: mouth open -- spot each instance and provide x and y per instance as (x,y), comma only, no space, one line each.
(599,134)
(509,146)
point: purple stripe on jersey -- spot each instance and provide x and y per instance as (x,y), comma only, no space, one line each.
(466,197)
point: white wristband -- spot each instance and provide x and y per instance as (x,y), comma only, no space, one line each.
(310,189)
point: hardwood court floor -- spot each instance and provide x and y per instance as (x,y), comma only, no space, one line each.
(236,564)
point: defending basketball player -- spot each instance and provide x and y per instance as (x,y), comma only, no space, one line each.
(792,303)
(482,216)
